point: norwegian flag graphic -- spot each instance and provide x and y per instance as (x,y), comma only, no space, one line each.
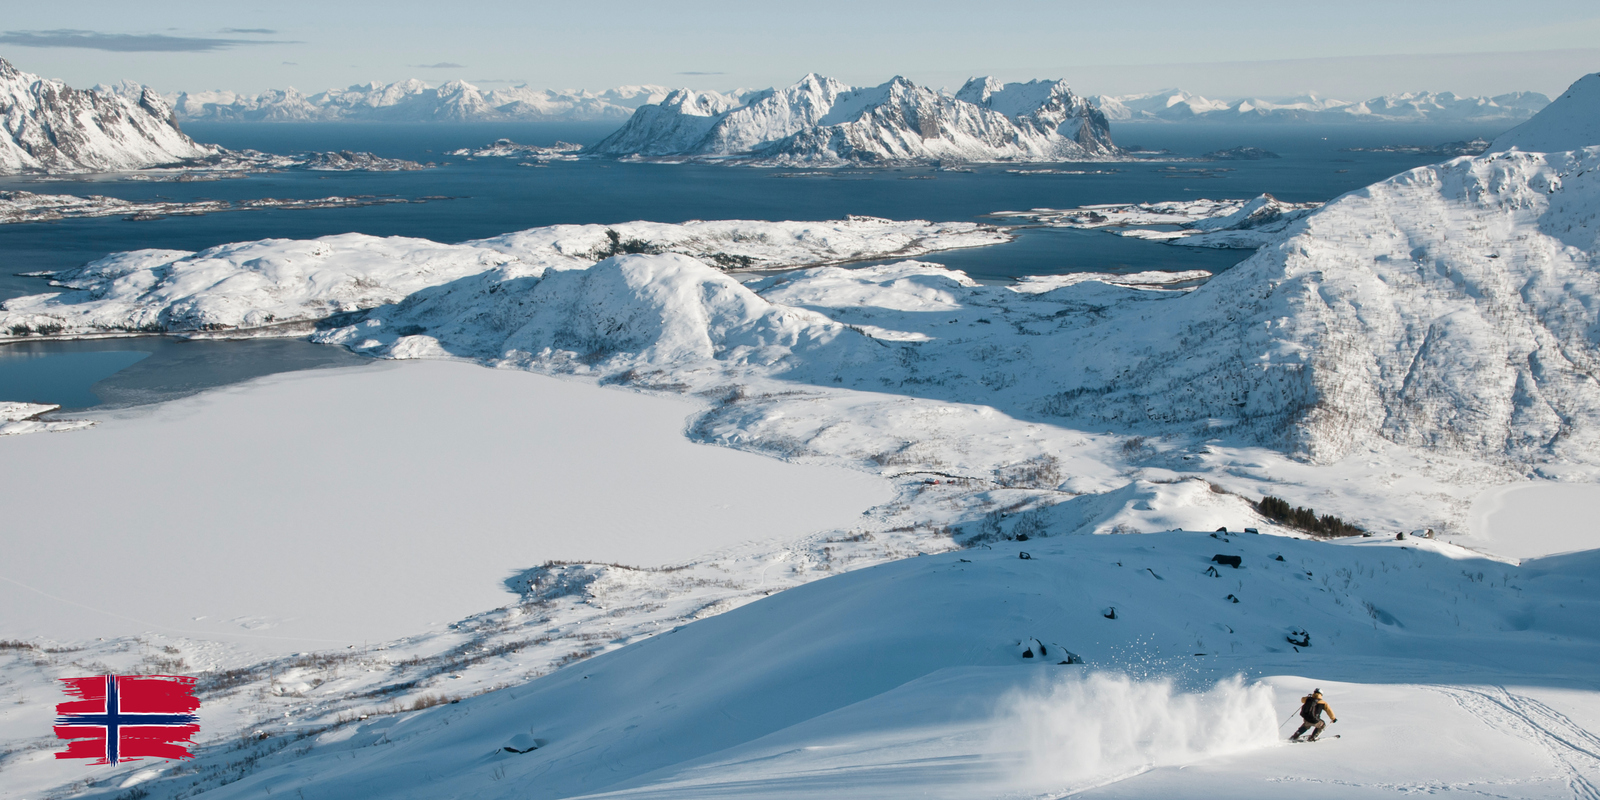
(127,717)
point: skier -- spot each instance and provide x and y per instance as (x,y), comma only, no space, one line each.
(1311,708)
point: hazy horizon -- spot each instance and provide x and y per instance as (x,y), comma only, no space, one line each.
(1235,50)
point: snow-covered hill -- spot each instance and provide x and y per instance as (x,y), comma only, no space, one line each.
(820,121)
(416,101)
(47,126)
(1571,122)
(1176,105)
(279,286)
(942,677)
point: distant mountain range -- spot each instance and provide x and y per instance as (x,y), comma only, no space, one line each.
(819,122)
(47,126)
(1176,105)
(458,101)
(410,101)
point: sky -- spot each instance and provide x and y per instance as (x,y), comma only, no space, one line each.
(1352,49)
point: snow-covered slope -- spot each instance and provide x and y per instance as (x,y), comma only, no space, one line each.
(1570,122)
(47,126)
(1176,105)
(941,677)
(1450,307)
(416,101)
(819,121)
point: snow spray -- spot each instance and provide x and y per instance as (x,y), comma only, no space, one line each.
(1083,731)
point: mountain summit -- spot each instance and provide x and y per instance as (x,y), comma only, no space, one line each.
(51,127)
(1570,122)
(821,122)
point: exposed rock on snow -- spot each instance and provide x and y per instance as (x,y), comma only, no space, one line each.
(1572,121)
(416,101)
(1240,224)
(280,285)
(820,121)
(30,207)
(1469,147)
(20,418)
(1175,105)
(1241,154)
(505,148)
(347,161)
(47,126)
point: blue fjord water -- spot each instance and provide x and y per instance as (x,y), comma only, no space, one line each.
(490,196)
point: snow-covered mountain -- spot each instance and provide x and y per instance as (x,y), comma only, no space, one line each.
(47,126)
(820,121)
(1570,122)
(416,101)
(1176,105)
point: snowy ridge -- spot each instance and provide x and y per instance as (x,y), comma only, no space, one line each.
(51,127)
(1176,105)
(821,122)
(279,286)
(1571,122)
(415,101)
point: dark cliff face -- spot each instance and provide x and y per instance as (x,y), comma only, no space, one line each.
(50,127)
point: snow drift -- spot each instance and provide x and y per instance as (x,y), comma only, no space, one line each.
(1084,730)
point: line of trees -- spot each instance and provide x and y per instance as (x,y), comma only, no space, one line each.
(1279,510)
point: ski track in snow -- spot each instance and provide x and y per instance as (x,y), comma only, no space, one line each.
(1568,744)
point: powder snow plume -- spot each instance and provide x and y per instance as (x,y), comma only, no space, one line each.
(1088,730)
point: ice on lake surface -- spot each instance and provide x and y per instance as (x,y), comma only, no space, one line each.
(246,516)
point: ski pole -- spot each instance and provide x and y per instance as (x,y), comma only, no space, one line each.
(1286,720)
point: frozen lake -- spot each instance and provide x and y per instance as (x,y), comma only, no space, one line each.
(325,508)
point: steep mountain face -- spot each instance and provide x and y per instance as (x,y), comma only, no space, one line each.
(820,121)
(1174,105)
(415,101)
(51,127)
(1571,122)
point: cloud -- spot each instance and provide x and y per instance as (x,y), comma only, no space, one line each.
(249,30)
(291,63)
(440,65)
(122,42)
(699,73)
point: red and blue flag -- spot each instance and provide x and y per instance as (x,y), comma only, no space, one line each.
(121,718)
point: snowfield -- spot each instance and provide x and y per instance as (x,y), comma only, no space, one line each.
(545,463)
(1049,604)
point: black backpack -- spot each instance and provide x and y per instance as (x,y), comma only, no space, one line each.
(1311,709)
